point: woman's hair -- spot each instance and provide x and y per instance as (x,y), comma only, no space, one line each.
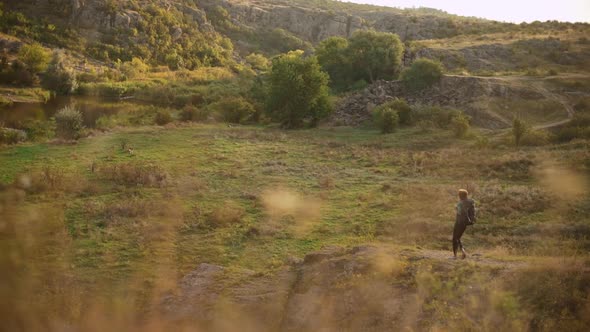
(463,194)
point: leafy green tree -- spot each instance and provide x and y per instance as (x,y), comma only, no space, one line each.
(332,55)
(59,77)
(422,74)
(35,57)
(375,55)
(298,90)
(519,129)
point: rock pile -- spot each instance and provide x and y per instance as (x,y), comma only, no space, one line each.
(461,92)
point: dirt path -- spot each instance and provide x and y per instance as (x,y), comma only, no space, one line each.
(539,86)
(476,257)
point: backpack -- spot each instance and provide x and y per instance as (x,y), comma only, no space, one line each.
(468,207)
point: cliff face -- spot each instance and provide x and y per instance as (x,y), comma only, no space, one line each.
(308,24)
(314,24)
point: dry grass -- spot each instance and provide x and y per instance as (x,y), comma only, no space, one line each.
(135,174)
(227,214)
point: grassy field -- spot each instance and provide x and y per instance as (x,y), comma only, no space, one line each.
(152,203)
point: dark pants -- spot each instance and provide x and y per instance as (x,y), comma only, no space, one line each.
(457,233)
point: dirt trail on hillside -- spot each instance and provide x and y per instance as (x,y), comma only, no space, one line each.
(537,85)
(476,257)
(365,288)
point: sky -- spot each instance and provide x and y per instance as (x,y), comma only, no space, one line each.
(516,11)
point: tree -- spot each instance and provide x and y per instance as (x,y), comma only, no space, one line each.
(332,56)
(422,74)
(375,55)
(59,77)
(519,129)
(35,57)
(298,90)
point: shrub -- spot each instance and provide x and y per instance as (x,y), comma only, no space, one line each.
(38,129)
(385,118)
(35,57)
(519,128)
(193,113)
(436,116)
(233,110)
(257,61)
(536,138)
(163,117)
(18,74)
(229,213)
(422,74)
(404,111)
(579,127)
(298,91)
(59,77)
(12,136)
(134,68)
(69,123)
(374,55)
(135,174)
(460,125)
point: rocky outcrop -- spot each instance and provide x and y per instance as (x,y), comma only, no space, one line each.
(461,92)
(307,23)
(330,290)
(520,55)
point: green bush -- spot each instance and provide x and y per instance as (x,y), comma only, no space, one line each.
(35,57)
(298,91)
(435,116)
(257,61)
(519,129)
(536,138)
(385,118)
(134,68)
(193,113)
(12,136)
(422,74)
(163,117)
(460,125)
(68,123)
(38,129)
(579,127)
(404,111)
(374,55)
(59,77)
(233,110)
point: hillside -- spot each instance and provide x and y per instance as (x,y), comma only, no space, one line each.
(290,165)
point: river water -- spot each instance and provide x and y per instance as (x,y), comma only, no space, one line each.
(91,108)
